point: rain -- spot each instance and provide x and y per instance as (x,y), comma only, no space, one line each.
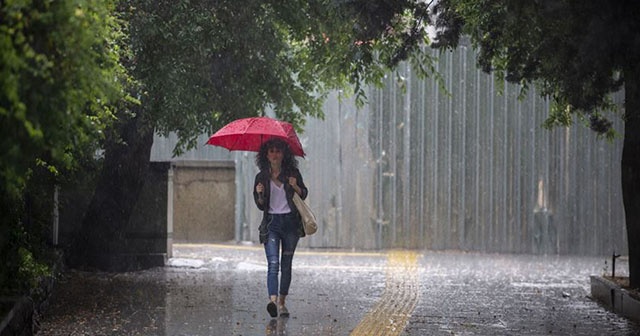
(218,289)
(443,205)
(488,249)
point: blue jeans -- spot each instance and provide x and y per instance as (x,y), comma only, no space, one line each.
(281,230)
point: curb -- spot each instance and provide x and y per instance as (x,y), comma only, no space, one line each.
(19,320)
(615,298)
(22,318)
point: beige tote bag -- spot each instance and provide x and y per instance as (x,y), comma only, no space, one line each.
(308,218)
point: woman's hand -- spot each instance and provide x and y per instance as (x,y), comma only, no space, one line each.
(294,183)
(260,191)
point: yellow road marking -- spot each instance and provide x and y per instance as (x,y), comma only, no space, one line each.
(401,294)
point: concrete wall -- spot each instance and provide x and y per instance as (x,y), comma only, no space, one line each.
(146,242)
(204,196)
(182,201)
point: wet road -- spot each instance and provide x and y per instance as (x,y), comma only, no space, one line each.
(221,290)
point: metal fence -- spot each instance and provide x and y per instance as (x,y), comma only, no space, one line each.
(461,167)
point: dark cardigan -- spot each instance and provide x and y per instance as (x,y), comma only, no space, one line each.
(264,178)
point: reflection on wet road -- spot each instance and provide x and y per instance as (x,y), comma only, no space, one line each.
(391,314)
(221,290)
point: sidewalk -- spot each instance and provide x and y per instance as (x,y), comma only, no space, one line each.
(221,290)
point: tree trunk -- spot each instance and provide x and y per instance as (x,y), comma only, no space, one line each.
(631,170)
(126,163)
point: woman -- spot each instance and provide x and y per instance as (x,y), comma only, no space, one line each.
(273,190)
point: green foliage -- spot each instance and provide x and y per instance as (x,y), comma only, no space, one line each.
(362,41)
(573,50)
(58,71)
(59,76)
(203,64)
(23,242)
(30,270)
(22,269)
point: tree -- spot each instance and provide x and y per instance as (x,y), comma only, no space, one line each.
(59,72)
(578,53)
(200,64)
(212,62)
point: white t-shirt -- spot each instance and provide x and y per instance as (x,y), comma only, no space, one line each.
(278,200)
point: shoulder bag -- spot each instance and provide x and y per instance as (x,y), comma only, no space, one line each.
(308,218)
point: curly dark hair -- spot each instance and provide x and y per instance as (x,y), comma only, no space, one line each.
(289,162)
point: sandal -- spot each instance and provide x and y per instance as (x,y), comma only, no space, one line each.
(272,309)
(284,312)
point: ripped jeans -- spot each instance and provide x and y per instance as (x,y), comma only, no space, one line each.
(281,230)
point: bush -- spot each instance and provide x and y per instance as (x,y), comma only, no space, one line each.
(28,256)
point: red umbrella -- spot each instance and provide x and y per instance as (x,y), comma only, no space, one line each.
(249,134)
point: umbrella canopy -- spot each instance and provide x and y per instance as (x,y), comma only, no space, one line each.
(249,134)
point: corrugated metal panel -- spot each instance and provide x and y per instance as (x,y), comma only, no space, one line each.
(469,170)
